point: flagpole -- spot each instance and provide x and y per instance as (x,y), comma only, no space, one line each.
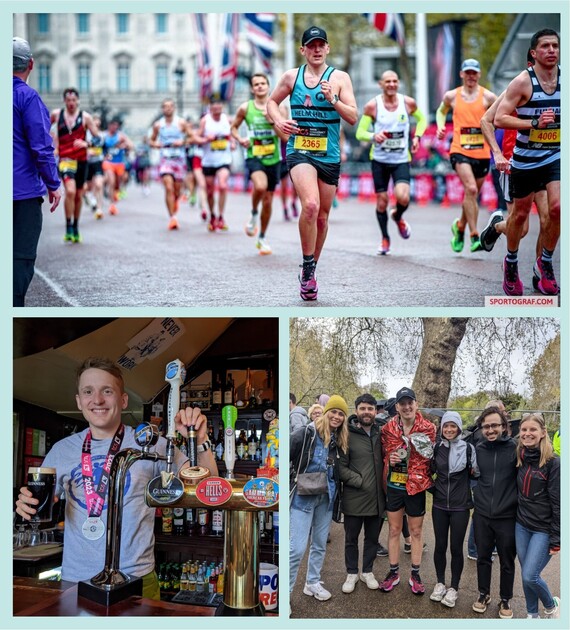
(289,42)
(422,54)
(215,24)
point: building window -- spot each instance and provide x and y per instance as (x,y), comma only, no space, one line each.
(122,23)
(161,77)
(83,23)
(161,23)
(43,23)
(123,76)
(84,77)
(44,78)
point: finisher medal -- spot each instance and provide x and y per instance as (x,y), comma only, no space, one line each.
(93,528)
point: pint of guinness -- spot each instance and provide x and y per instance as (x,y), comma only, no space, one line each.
(41,483)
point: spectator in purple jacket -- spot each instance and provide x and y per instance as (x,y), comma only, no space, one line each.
(34,169)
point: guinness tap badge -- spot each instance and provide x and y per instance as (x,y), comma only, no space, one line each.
(163,492)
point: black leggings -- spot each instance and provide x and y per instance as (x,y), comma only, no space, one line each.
(444,524)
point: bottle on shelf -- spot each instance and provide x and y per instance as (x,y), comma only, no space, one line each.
(229,391)
(178,521)
(192,578)
(190,524)
(218,522)
(167,521)
(203,521)
(217,394)
(175,579)
(184,578)
(200,580)
(241,445)
(252,442)
(220,581)
(219,446)
(267,532)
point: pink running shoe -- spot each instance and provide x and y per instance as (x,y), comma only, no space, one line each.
(416,583)
(547,284)
(512,284)
(403,226)
(309,287)
(391,580)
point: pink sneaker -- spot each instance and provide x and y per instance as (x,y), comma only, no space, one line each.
(416,583)
(547,283)
(391,580)
(403,226)
(512,284)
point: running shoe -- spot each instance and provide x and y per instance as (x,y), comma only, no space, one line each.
(416,583)
(505,611)
(384,247)
(204,215)
(350,583)
(370,581)
(480,606)
(381,552)
(213,224)
(450,598)
(68,236)
(222,225)
(76,237)
(318,591)
(173,223)
(408,547)
(113,209)
(335,202)
(251,225)
(294,210)
(547,284)
(403,226)
(439,592)
(535,275)
(554,612)
(122,194)
(193,199)
(458,238)
(98,213)
(475,244)
(489,236)
(309,287)
(263,247)
(391,580)
(286,216)
(512,284)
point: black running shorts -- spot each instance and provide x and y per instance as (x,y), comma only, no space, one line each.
(414,505)
(480,168)
(529,180)
(272,172)
(328,173)
(381,173)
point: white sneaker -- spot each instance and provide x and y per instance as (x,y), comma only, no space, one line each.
(317,591)
(251,225)
(450,598)
(438,592)
(350,583)
(530,616)
(370,581)
(553,613)
(263,247)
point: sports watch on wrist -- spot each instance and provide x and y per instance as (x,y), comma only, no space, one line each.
(534,123)
(334,99)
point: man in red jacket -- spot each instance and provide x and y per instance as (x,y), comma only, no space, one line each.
(407,444)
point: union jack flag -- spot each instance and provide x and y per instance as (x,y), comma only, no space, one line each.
(391,24)
(228,71)
(204,63)
(259,30)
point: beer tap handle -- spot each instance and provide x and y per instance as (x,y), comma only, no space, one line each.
(229,417)
(175,375)
(192,446)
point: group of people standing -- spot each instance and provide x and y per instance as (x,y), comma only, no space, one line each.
(381,467)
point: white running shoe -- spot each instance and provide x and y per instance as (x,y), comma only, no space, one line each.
(438,592)
(370,581)
(553,613)
(450,598)
(317,591)
(263,247)
(350,583)
(251,225)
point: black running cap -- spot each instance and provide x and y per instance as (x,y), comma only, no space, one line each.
(312,33)
(405,392)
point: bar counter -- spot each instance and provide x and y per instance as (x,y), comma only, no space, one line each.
(46,598)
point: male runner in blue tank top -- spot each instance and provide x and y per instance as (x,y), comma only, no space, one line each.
(535,94)
(320,96)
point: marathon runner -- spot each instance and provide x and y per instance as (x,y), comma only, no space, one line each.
(72,124)
(469,153)
(95,179)
(389,113)
(115,146)
(170,135)
(535,94)
(320,96)
(195,181)
(214,134)
(263,156)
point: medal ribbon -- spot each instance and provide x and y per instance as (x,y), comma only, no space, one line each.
(95,496)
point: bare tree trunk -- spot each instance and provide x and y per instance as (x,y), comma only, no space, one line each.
(442,337)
